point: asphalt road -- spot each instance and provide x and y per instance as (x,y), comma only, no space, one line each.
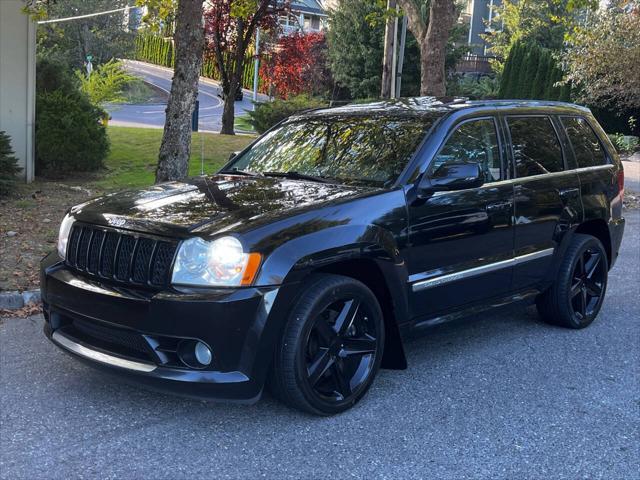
(153,115)
(498,396)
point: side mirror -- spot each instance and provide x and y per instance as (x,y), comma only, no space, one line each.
(452,176)
(233,155)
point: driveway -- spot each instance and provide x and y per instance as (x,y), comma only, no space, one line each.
(497,396)
(152,116)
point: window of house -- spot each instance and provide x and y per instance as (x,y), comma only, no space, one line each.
(315,23)
(586,146)
(475,141)
(536,147)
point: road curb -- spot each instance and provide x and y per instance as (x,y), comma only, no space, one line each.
(17,300)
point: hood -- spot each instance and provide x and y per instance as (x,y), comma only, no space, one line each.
(210,204)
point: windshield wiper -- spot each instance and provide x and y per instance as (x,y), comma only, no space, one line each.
(297,176)
(236,171)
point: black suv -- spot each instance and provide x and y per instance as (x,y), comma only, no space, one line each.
(305,260)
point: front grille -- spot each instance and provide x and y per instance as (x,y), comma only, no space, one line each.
(119,256)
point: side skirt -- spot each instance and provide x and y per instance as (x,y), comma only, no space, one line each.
(526,297)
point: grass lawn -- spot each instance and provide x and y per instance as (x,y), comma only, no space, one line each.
(242,123)
(134,155)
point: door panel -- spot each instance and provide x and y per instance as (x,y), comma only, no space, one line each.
(458,239)
(546,195)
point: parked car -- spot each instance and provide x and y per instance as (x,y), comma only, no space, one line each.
(305,261)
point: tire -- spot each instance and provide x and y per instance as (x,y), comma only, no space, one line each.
(576,296)
(331,347)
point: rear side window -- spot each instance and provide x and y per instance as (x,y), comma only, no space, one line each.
(585,143)
(536,148)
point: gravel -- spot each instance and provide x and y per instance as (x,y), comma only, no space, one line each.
(497,396)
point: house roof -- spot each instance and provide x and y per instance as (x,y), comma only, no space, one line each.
(308,6)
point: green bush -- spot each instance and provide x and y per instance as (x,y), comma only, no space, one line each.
(476,89)
(8,165)
(106,84)
(54,76)
(624,143)
(267,114)
(69,134)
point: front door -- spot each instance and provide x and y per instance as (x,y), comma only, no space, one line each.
(461,242)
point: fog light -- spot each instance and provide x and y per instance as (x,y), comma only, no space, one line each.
(203,354)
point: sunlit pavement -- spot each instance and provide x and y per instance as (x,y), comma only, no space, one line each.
(498,396)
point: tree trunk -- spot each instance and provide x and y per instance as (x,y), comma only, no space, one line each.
(387,57)
(175,149)
(442,15)
(228,113)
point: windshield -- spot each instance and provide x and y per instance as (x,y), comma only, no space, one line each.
(370,150)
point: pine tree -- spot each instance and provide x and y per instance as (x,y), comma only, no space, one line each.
(516,54)
(529,70)
(539,82)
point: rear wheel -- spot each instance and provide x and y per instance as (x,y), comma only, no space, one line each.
(331,348)
(576,296)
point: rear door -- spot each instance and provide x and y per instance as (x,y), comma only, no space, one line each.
(546,195)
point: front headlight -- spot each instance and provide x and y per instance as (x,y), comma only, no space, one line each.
(63,235)
(221,262)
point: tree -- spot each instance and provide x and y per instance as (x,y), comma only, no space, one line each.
(175,149)
(297,65)
(230,26)
(603,58)
(541,22)
(355,46)
(103,37)
(432,34)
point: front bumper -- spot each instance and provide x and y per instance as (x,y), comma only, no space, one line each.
(133,332)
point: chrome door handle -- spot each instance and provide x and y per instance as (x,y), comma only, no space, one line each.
(569,192)
(492,207)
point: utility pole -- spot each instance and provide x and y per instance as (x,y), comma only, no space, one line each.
(256,65)
(394,62)
(403,38)
(387,57)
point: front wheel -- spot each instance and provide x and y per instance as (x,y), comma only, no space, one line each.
(576,296)
(331,347)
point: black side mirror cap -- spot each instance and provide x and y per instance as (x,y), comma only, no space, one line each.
(452,176)
(233,155)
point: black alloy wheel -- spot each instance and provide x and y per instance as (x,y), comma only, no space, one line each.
(331,348)
(340,350)
(576,296)
(588,282)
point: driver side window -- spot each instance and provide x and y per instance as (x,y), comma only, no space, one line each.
(475,141)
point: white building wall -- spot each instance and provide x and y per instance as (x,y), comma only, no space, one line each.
(17,82)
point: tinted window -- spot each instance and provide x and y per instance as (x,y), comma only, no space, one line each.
(585,143)
(475,141)
(536,148)
(345,148)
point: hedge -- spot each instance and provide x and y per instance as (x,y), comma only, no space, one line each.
(531,72)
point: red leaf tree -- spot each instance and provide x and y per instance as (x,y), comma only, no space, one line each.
(297,64)
(229,29)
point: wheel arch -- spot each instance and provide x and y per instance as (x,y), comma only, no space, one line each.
(599,229)
(371,273)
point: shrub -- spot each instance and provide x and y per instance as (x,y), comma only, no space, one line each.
(298,64)
(8,165)
(476,89)
(624,143)
(69,135)
(54,76)
(267,114)
(106,83)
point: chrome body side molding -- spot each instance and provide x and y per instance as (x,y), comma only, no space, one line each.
(472,272)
